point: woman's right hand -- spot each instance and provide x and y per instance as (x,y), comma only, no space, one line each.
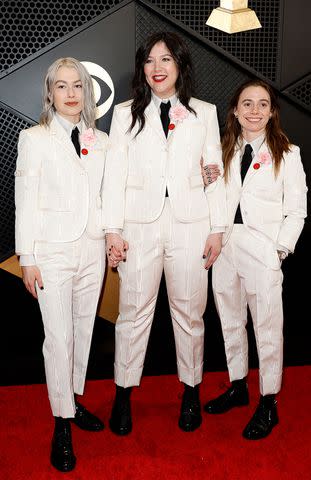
(31,275)
(116,249)
(209,173)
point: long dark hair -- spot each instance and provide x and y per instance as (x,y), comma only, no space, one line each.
(140,87)
(277,141)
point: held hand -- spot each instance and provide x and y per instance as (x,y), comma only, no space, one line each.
(212,249)
(116,249)
(31,275)
(209,172)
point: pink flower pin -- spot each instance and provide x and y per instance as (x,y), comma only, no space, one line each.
(178,113)
(88,138)
(265,158)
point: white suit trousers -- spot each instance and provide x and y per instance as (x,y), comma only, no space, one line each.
(241,277)
(72,275)
(177,248)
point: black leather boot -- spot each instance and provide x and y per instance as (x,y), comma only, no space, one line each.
(263,420)
(86,420)
(121,420)
(62,456)
(235,396)
(190,414)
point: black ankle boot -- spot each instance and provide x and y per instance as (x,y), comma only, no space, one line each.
(121,420)
(263,420)
(235,396)
(62,456)
(86,420)
(190,414)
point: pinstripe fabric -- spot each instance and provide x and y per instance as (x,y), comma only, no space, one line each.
(72,276)
(177,248)
(241,277)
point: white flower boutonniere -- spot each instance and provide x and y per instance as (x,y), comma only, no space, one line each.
(87,138)
(265,158)
(177,114)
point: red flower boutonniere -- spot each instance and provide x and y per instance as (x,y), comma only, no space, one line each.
(88,139)
(177,114)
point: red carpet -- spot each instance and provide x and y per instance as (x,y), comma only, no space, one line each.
(157,449)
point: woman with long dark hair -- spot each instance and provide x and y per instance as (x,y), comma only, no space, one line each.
(266,200)
(155,196)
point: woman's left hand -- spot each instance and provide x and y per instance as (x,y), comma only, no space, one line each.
(116,248)
(209,172)
(212,249)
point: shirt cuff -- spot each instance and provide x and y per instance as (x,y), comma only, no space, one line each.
(282,249)
(27,260)
(218,229)
(113,230)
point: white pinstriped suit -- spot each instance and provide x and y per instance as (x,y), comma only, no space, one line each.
(59,221)
(163,233)
(248,270)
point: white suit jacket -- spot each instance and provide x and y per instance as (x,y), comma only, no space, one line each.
(57,193)
(139,169)
(273,208)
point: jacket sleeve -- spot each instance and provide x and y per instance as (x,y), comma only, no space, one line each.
(215,193)
(115,175)
(294,200)
(27,175)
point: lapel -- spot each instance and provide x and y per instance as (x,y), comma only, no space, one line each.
(251,172)
(179,125)
(153,119)
(64,141)
(236,168)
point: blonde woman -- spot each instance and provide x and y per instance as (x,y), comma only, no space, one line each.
(59,239)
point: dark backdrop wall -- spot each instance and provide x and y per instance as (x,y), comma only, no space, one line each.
(107,32)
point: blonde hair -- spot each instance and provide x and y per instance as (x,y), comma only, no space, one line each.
(89,105)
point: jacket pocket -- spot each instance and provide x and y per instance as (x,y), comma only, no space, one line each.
(56,203)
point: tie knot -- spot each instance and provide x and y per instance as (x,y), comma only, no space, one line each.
(75,132)
(248,149)
(165,107)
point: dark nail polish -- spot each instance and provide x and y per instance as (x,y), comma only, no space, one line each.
(204,256)
(41,288)
(124,260)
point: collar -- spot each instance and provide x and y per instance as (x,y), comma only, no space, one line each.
(256,143)
(68,126)
(157,100)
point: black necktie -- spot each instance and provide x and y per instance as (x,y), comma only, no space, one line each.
(245,163)
(246,160)
(165,119)
(75,140)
